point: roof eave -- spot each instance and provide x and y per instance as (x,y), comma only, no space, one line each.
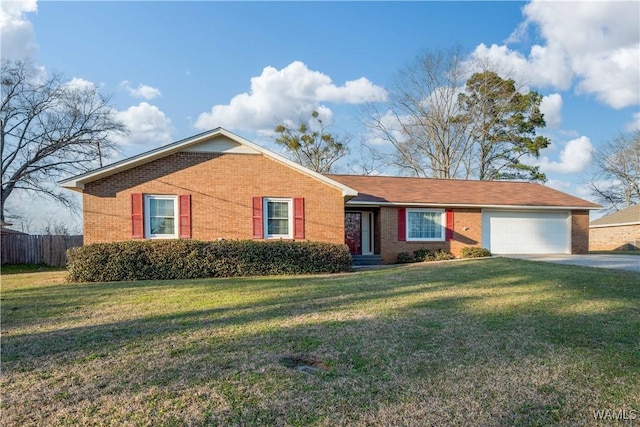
(469,205)
(621,224)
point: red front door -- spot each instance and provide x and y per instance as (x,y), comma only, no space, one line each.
(353,232)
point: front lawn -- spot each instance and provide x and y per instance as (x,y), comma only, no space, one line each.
(480,342)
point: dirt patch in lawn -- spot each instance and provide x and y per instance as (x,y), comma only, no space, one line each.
(303,363)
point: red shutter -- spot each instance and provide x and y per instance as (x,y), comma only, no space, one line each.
(402,224)
(298,218)
(449,231)
(257,218)
(184,227)
(137,216)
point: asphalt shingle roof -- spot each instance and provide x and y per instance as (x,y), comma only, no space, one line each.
(625,216)
(399,190)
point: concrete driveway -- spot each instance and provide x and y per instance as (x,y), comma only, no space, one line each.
(617,262)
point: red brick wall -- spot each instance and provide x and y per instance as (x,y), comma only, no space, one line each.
(611,238)
(579,232)
(221,188)
(467,232)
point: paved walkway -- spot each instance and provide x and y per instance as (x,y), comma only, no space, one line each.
(617,262)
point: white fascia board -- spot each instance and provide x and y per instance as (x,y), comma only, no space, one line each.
(615,225)
(458,205)
(77,182)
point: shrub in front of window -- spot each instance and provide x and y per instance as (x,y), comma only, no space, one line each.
(422,255)
(442,255)
(475,252)
(188,259)
(405,258)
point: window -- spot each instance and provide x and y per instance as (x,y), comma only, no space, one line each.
(426,224)
(161,217)
(278,218)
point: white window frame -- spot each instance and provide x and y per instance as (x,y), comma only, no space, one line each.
(265,215)
(147,216)
(443,226)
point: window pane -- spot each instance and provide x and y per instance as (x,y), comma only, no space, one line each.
(425,225)
(278,209)
(161,207)
(161,216)
(278,226)
(162,225)
(278,218)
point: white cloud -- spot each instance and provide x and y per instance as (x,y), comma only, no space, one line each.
(142,91)
(575,157)
(286,94)
(147,125)
(543,67)
(16,32)
(558,185)
(551,107)
(634,124)
(80,84)
(596,43)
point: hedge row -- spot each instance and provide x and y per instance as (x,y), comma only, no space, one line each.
(187,259)
(475,252)
(421,255)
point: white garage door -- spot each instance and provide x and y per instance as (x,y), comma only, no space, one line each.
(506,232)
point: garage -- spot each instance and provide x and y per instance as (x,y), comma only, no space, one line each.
(526,232)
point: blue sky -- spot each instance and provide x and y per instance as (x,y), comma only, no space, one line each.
(174,69)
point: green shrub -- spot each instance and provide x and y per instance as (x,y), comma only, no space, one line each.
(188,259)
(404,258)
(422,255)
(475,252)
(441,255)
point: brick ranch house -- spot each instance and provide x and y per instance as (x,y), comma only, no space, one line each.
(617,231)
(219,185)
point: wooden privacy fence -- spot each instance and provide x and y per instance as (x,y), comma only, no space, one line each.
(47,249)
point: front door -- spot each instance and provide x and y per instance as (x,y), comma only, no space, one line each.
(358,232)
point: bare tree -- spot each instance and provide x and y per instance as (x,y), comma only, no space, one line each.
(369,161)
(421,120)
(311,145)
(49,130)
(616,183)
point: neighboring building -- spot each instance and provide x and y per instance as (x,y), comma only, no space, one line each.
(4,230)
(617,231)
(219,185)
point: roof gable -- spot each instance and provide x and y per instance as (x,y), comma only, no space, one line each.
(452,192)
(218,140)
(627,216)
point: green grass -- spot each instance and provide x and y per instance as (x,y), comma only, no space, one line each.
(27,268)
(479,342)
